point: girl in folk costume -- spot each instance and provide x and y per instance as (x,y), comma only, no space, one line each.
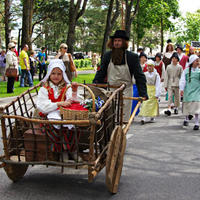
(160,66)
(68,61)
(190,90)
(143,60)
(182,57)
(171,83)
(49,101)
(150,108)
(168,54)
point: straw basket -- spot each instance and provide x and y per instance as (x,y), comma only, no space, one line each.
(68,114)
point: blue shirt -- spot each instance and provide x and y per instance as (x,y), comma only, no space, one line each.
(2,58)
(42,57)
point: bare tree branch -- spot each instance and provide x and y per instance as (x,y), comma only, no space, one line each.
(135,10)
(116,14)
(82,10)
(42,32)
(38,22)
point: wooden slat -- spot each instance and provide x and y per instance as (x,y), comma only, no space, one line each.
(120,160)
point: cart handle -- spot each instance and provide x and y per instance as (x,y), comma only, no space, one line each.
(85,86)
(134,98)
(126,128)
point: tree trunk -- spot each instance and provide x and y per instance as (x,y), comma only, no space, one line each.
(107,28)
(7,22)
(130,15)
(110,21)
(133,44)
(75,12)
(161,34)
(27,23)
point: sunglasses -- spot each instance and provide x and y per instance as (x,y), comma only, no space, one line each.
(65,48)
(12,47)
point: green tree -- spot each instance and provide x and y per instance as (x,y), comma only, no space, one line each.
(191,26)
(155,12)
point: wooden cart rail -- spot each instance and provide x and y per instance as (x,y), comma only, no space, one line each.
(105,142)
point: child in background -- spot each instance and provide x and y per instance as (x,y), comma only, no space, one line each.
(49,101)
(171,83)
(160,66)
(150,108)
(32,64)
(143,60)
(190,90)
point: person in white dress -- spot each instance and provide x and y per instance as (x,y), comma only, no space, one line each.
(150,108)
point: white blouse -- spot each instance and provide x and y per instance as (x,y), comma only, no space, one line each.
(182,81)
(44,104)
(157,84)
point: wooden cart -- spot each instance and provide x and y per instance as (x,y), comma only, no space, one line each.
(100,140)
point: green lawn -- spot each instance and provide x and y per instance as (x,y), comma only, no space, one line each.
(18,90)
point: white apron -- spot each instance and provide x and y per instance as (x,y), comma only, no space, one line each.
(118,74)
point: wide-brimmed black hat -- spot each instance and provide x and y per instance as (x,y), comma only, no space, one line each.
(120,34)
(175,55)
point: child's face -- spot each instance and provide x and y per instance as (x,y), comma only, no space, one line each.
(195,63)
(143,59)
(174,61)
(150,68)
(157,59)
(56,76)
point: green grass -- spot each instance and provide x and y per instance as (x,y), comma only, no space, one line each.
(85,68)
(18,90)
(87,77)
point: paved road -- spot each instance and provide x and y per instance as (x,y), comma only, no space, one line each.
(162,162)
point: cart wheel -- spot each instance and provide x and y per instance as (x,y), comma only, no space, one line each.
(15,172)
(114,159)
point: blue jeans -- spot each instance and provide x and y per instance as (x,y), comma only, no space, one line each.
(26,73)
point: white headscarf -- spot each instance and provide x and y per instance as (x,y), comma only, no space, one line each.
(53,64)
(150,62)
(192,58)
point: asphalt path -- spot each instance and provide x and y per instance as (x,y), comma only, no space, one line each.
(162,162)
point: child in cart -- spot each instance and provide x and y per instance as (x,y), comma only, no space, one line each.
(190,90)
(150,107)
(48,103)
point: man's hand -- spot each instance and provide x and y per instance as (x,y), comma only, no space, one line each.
(144,98)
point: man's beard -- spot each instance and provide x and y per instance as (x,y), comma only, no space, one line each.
(117,56)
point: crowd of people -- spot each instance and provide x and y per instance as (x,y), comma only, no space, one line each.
(179,75)
(173,72)
(26,64)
